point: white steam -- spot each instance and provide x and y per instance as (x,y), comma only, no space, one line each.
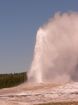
(56,50)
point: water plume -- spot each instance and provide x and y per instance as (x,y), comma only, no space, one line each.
(56,50)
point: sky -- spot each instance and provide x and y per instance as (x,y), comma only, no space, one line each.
(19,22)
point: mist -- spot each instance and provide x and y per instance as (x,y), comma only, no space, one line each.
(56,50)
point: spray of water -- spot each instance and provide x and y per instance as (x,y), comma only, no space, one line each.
(56,50)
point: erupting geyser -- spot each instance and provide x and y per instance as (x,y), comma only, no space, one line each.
(56,50)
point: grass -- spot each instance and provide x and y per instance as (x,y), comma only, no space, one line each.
(60,103)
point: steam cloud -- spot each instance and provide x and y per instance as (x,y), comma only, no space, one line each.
(56,50)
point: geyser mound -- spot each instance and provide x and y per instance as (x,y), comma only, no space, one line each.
(56,50)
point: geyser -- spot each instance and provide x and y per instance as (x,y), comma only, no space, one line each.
(56,50)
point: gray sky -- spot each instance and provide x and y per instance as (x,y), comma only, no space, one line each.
(19,22)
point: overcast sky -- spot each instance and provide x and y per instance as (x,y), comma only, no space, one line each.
(19,22)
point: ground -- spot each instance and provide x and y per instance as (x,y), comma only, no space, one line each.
(44,94)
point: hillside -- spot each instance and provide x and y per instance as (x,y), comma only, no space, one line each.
(12,79)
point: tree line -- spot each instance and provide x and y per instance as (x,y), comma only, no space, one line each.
(12,79)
